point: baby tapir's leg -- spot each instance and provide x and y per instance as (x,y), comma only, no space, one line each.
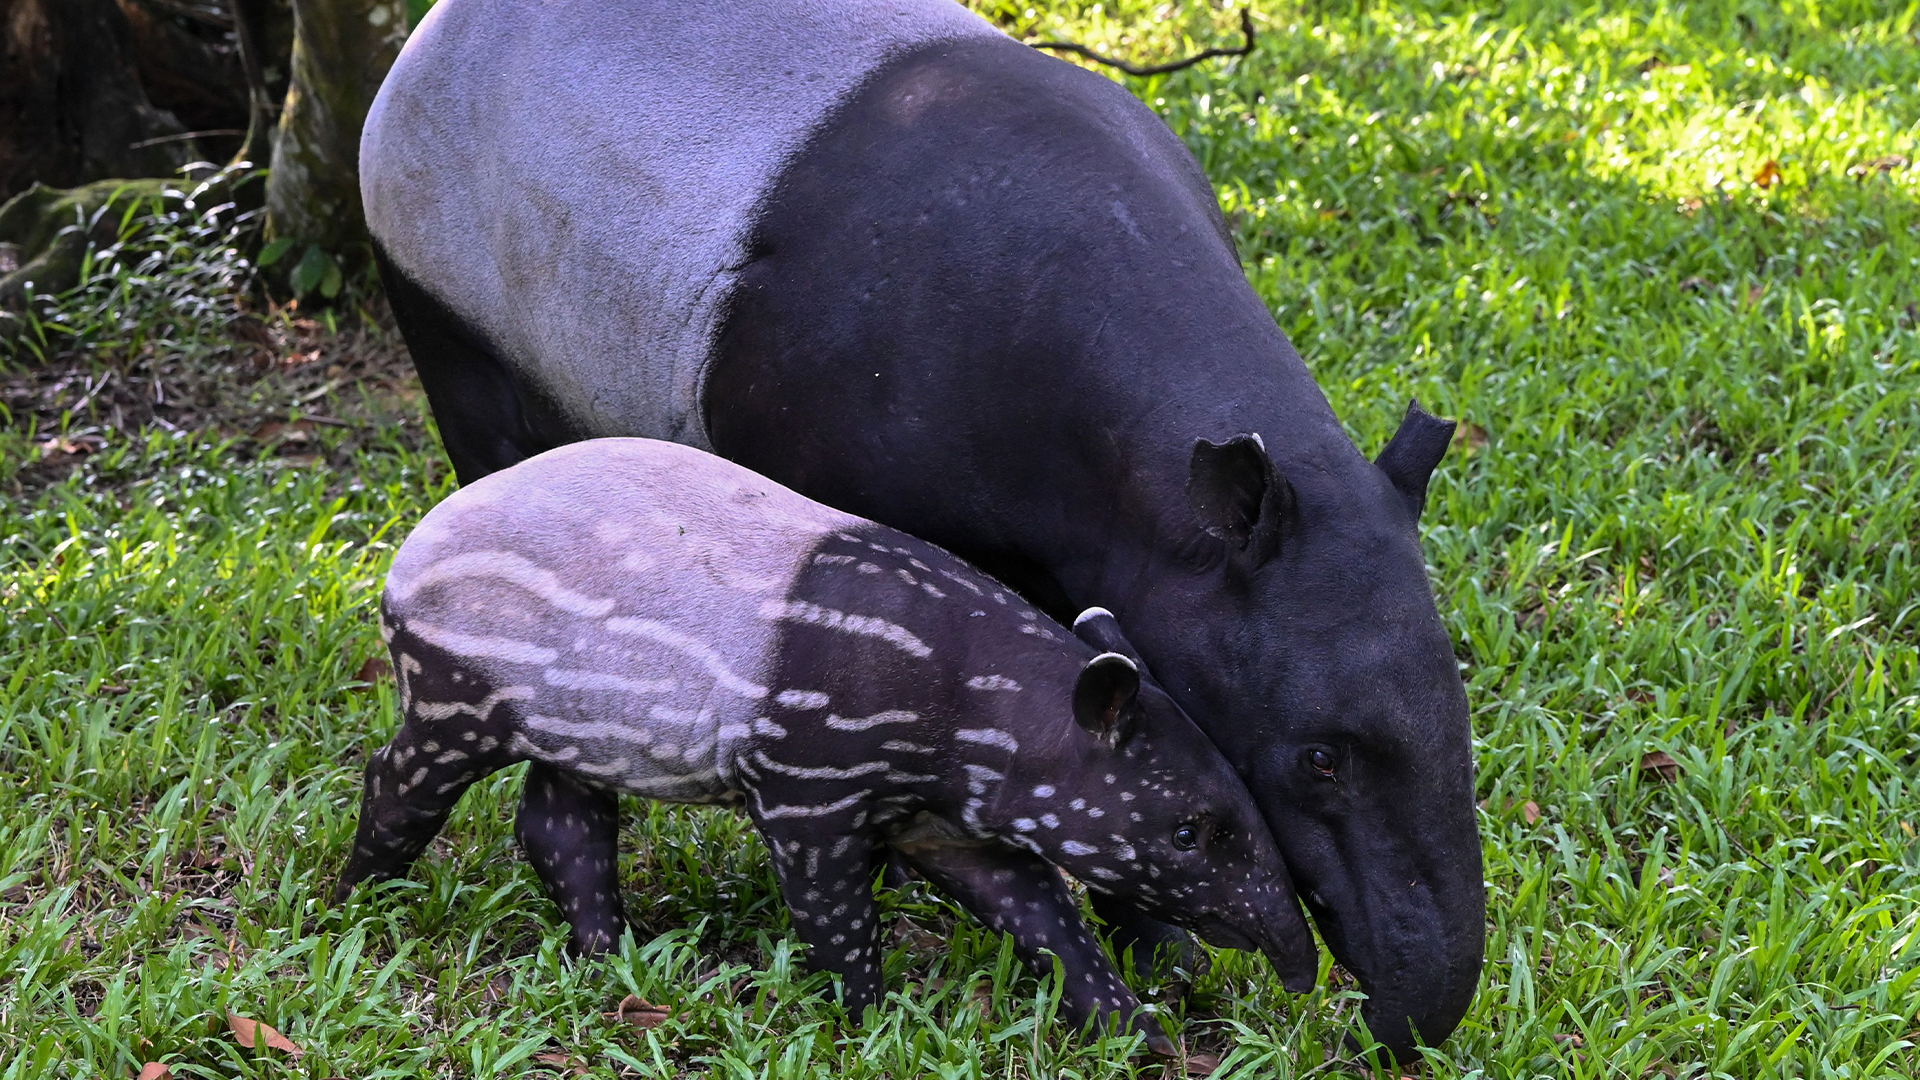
(571,832)
(457,729)
(410,787)
(1019,894)
(826,869)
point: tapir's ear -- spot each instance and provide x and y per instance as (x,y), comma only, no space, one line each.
(1238,495)
(1106,699)
(1097,627)
(1412,453)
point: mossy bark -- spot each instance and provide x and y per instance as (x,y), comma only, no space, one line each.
(341,52)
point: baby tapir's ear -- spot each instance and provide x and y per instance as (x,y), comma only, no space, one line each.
(1097,627)
(1106,699)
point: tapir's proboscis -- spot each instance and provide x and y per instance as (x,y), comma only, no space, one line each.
(637,616)
(901,263)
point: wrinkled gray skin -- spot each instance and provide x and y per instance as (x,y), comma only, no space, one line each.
(919,272)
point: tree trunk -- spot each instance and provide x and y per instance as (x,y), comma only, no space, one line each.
(72,108)
(341,52)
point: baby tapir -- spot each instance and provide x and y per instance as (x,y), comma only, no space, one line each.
(637,616)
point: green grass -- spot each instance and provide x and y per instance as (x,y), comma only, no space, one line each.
(1683,518)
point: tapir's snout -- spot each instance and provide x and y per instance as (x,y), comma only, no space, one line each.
(1271,923)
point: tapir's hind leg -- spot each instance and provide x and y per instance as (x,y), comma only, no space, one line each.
(1019,894)
(410,787)
(571,834)
(486,420)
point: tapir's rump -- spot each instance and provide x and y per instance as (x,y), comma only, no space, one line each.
(583,98)
(636,646)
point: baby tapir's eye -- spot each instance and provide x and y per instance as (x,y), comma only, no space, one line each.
(1321,760)
(1186,838)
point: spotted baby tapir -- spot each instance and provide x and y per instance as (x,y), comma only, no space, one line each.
(637,616)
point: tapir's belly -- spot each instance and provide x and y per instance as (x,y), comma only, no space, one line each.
(627,618)
(580,186)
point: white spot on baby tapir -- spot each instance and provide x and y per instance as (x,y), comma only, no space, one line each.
(1096,812)
(988,737)
(1124,850)
(480,645)
(901,746)
(863,625)
(1075,847)
(576,679)
(1050,821)
(1044,791)
(1126,796)
(654,630)
(992,682)
(795,811)
(862,723)
(1025,824)
(442,710)
(803,699)
(869,568)
(832,560)
(513,568)
(820,772)
(1078,804)
(768,729)
(979,776)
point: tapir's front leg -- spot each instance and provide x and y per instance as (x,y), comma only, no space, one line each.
(826,867)
(1019,894)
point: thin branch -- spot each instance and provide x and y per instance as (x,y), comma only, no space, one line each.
(1246,27)
(182,137)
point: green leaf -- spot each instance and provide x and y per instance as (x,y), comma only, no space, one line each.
(273,252)
(330,283)
(313,266)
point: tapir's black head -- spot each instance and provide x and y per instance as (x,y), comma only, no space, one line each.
(1132,799)
(1350,723)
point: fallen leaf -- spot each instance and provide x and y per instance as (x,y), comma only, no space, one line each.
(639,1013)
(1202,1064)
(1768,176)
(916,939)
(115,689)
(497,988)
(375,669)
(1658,765)
(1531,811)
(1696,284)
(248,1031)
(1470,437)
(556,1060)
(1574,1041)
(153,1070)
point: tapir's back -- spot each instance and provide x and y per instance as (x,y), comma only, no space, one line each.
(577,178)
(616,593)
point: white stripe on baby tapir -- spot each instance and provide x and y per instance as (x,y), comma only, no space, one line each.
(992,682)
(656,691)
(626,184)
(863,625)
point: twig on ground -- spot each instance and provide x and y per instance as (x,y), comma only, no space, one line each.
(1246,27)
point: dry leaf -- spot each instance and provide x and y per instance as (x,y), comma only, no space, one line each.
(1768,176)
(375,669)
(1531,811)
(153,1070)
(639,1013)
(248,1031)
(1470,438)
(556,1060)
(1574,1041)
(1659,765)
(1202,1064)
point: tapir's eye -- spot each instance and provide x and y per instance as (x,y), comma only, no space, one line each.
(1321,759)
(1186,838)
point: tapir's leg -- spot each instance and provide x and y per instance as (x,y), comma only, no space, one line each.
(1155,946)
(410,787)
(485,420)
(826,874)
(571,834)
(1019,894)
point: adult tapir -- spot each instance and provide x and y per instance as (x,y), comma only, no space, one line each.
(886,255)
